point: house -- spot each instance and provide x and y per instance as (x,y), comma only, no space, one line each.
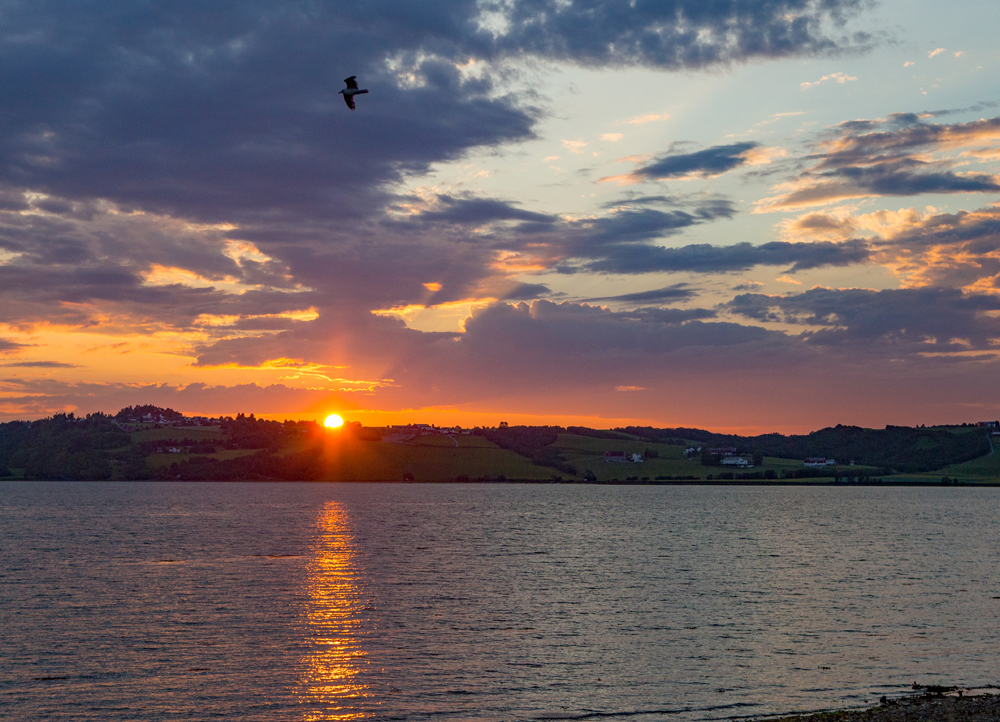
(734,461)
(988,424)
(819,461)
(636,458)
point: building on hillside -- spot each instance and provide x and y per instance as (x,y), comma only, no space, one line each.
(735,461)
(988,424)
(819,461)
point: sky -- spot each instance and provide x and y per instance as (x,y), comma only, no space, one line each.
(743,215)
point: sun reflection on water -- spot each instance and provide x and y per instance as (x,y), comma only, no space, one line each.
(334,686)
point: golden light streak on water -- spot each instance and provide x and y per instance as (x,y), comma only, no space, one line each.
(334,686)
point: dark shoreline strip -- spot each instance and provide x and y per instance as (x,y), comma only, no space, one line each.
(923,708)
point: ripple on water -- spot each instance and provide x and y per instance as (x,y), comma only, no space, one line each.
(413,602)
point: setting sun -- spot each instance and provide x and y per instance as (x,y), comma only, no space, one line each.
(333,421)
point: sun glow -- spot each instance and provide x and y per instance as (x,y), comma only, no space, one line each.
(333,421)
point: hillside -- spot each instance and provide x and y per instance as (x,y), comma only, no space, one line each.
(151,443)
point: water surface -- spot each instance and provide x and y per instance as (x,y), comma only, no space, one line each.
(179,601)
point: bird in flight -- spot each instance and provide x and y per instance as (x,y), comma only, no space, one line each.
(351,90)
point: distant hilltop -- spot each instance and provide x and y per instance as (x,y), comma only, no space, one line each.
(148,442)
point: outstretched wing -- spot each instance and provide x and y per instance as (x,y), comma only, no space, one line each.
(349,100)
(352,82)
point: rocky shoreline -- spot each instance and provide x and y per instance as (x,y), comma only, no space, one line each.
(921,708)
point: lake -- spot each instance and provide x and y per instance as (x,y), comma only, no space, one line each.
(174,601)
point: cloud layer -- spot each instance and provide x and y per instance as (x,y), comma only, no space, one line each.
(184,174)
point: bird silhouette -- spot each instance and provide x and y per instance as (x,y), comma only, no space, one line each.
(351,90)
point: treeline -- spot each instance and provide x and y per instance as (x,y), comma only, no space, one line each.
(95,447)
(902,448)
(132,414)
(64,447)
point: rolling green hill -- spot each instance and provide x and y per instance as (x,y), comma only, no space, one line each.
(150,443)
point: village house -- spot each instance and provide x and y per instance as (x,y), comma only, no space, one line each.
(816,461)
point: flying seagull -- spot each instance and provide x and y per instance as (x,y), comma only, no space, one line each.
(351,90)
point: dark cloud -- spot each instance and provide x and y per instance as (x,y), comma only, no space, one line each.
(888,158)
(7,345)
(670,293)
(230,112)
(637,200)
(35,398)
(526,292)
(955,250)
(669,315)
(706,258)
(974,232)
(675,35)
(541,345)
(904,177)
(475,211)
(913,320)
(709,162)
(41,365)
(974,108)
(126,121)
(189,160)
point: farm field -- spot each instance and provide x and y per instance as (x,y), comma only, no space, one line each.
(198,433)
(158,461)
(429,458)
(585,453)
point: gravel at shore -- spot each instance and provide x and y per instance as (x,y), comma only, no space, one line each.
(924,708)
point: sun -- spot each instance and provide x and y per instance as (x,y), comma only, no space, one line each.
(333,421)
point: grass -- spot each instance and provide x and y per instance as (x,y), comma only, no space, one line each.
(438,458)
(158,461)
(585,453)
(985,468)
(198,433)
(427,459)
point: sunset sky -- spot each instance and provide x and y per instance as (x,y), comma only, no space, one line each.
(759,215)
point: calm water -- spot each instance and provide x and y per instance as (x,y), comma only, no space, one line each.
(444,602)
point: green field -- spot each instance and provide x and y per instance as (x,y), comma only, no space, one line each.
(198,433)
(985,469)
(585,453)
(429,458)
(157,461)
(361,456)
